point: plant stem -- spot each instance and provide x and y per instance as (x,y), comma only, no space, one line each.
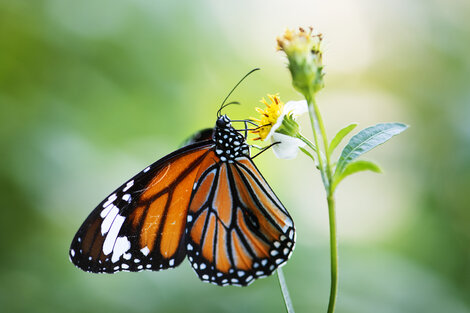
(326,173)
(333,254)
(314,122)
(307,142)
(285,292)
(325,140)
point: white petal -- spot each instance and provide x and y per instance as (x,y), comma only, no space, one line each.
(295,108)
(275,126)
(288,147)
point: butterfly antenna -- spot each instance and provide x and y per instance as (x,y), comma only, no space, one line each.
(233,89)
(227,104)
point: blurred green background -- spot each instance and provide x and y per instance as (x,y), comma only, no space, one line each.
(92,92)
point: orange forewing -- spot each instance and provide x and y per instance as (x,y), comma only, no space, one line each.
(163,206)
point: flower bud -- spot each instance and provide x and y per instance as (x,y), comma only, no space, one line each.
(304,57)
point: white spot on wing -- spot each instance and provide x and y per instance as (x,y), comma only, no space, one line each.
(128,185)
(110,200)
(108,221)
(72,252)
(125,266)
(112,235)
(120,247)
(146,169)
(145,250)
(106,210)
(126,197)
(172,262)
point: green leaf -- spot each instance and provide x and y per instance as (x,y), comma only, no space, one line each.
(354,167)
(366,140)
(339,136)
(307,153)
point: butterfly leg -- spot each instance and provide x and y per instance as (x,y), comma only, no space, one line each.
(246,121)
(263,149)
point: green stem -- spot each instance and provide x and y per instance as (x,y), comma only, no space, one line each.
(314,121)
(307,142)
(285,292)
(321,125)
(311,146)
(326,171)
(333,254)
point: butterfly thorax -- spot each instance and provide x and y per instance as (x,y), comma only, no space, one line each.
(229,143)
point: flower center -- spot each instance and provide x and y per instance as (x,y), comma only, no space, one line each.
(269,116)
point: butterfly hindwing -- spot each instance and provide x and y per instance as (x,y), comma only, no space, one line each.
(141,224)
(238,230)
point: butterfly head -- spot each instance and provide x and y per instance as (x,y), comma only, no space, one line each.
(223,122)
(229,143)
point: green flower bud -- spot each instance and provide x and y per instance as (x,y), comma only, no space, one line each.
(304,56)
(289,126)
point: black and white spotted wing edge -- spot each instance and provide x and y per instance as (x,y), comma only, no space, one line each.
(106,242)
(279,251)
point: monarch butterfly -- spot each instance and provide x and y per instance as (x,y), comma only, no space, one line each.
(206,201)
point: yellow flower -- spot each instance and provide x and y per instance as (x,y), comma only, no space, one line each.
(269,116)
(278,123)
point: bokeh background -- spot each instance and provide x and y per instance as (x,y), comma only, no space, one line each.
(92,92)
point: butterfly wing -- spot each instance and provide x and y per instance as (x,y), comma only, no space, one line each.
(238,230)
(202,135)
(141,224)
